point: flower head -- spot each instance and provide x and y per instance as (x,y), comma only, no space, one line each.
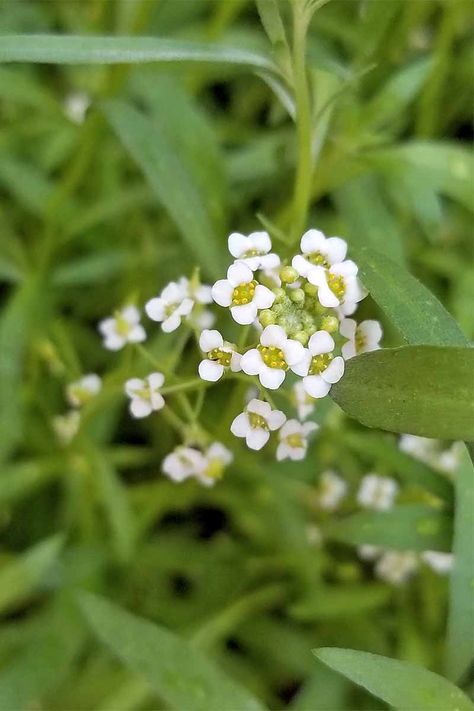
(124,327)
(362,337)
(440,562)
(332,489)
(256,422)
(338,284)
(253,250)
(319,368)
(377,492)
(294,439)
(272,358)
(242,293)
(215,459)
(145,396)
(182,463)
(304,403)
(396,567)
(81,391)
(318,250)
(76,105)
(221,356)
(171,306)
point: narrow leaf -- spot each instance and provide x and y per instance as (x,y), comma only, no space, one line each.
(400,684)
(182,676)
(422,390)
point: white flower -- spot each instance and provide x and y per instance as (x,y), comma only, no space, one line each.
(396,567)
(440,562)
(66,426)
(319,368)
(253,250)
(256,423)
(429,451)
(220,356)
(368,552)
(215,460)
(346,309)
(183,463)
(76,105)
(124,327)
(294,439)
(145,395)
(170,307)
(195,291)
(242,293)
(304,403)
(81,391)
(273,357)
(448,460)
(362,337)
(377,492)
(201,320)
(338,284)
(318,250)
(332,490)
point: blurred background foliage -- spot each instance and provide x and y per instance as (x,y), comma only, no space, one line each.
(167,161)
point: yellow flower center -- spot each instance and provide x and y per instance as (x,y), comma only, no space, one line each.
(360,341)
(295,440)
(317,259)
(122,326)
(252,253)
(337,285)
(215,469)
(273,357)
(319,363)
(257,421)
(222,357)
(244,293)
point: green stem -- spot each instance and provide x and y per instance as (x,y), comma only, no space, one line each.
(193,384)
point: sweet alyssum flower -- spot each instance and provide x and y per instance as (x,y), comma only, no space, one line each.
(182,463)
(256,422)
(242,293)
(171,305)
(81,391)
(332,489)
(396,567)
(362,337)
(272,358)
(377,492)
(337,285)
(254,250)
(303,402)
(124,327)
(318,250)
(215,459)
(144,394)
(319,368)
(293,438)
(221,356)
(441,563)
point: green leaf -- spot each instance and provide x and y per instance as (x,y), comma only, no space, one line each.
(406,528)
(180,674)
(158,157)
(411,307)
(422,390)
(403,685)
(460,646)
(24,479)
(22,577)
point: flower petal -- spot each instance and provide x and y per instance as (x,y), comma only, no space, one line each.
(235,362)
(273,336)
(301,265)
(157,401)
(185,307)
(302,366)
(259,407)
(316,386)
(251,362)
(137,334)
(210,370)
(321,342)
(257,438)
(293,351)
(240,425)
(372,331)
(269,261)
(263,297)
(335,249)
(203,294)
(283,452)
(348,350)
(156,380)
(334,371)
(222,292)
(114,342)
(171,323)
(326,297)
(140,407)
(239,273)
(238,244)
(271,378)
(156,309)
(313,241)
(275,420)
(208,340)
(131,314)
(244,314)
(260,241)
(347,328)
(133,385)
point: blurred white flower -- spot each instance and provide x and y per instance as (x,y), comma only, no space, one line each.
(171,306)
(81,391)
(124,327)
(201,319)
(304,403)
(293,438)
(318,250)
(377,492)
(144,394)
(75,106)
(220,356)
(338,284)
(331,490)
(449,459)
(256,422)
(216,458)
(254,250)
(368,552)
(440,562)
(242,293)
(319,368)
(66,426)
(396,567)
(182,463)
(362,337)
(275,354)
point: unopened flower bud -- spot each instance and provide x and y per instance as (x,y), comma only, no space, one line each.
(267,317)
(302,337)
(297,296)
(288,274)
(279,294)
(310,289)
(330,324)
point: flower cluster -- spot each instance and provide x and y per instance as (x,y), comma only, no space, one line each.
(205,466)
(78,394)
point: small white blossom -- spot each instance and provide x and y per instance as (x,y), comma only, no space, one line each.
(396,567)
(66,426)
(420,448)
(377,492)
(220,356)
(201,293)
(256,423)
(440,562)
(75,106)
(294,439)
(332,489)
(449,459)
(273,357)
(369,552)
(362,337)
(182,463)
(145,396)
(253,250)
(318,250)
(346,309)
(304,403)
(318,368)
(124,327)
(216,459)
(242,293)
(338,284)
(82,390)
(171,305)
(201,320)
